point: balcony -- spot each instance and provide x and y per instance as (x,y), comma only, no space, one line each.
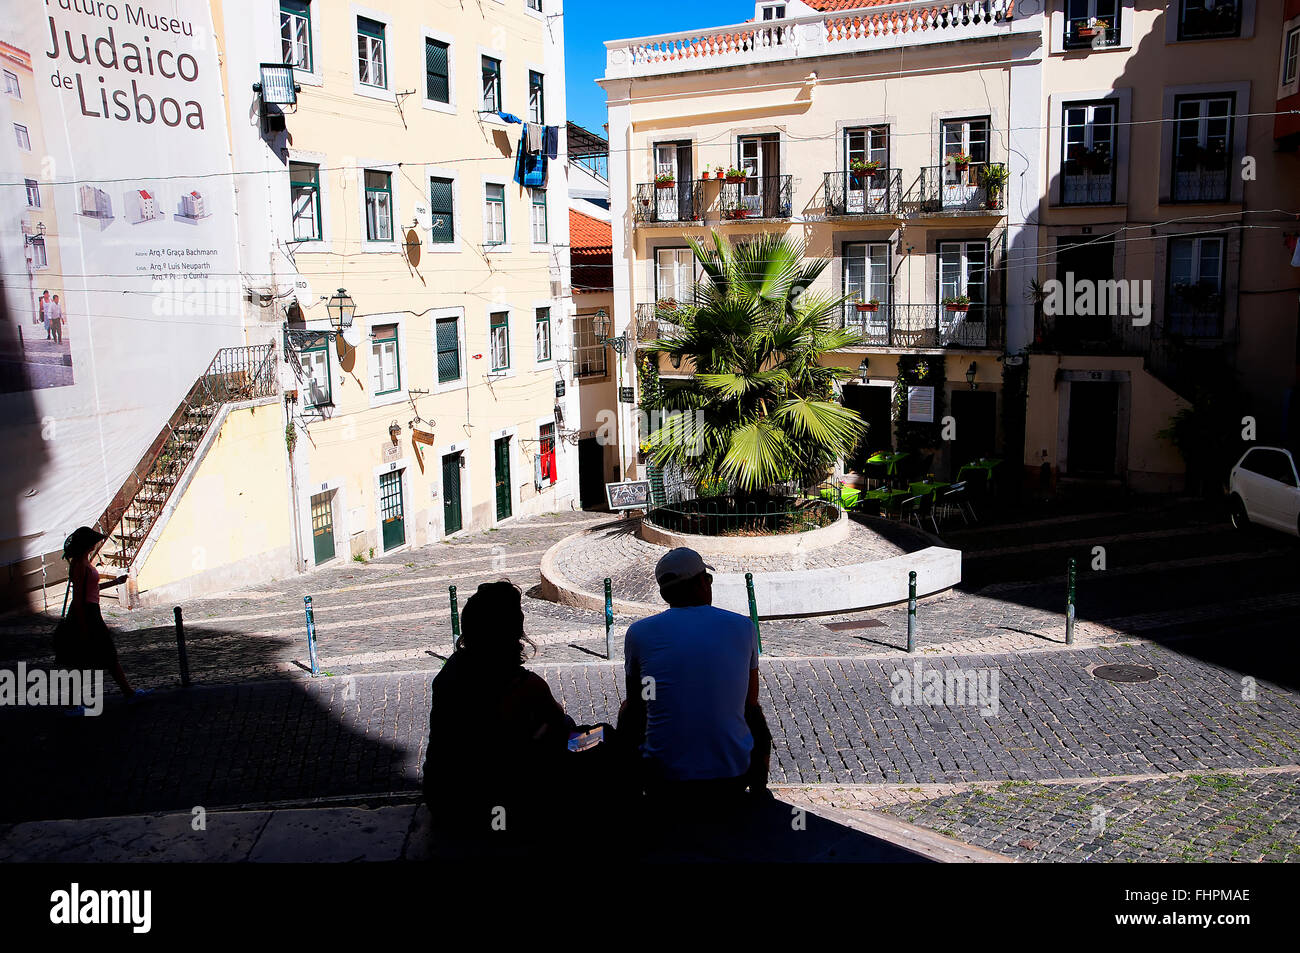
(1089,334)
(1089,32)
(866,194)
(757,197)
(1198,23)
(681,202)
(1195,315)
(1200,184)
(654,321)
(927,326)
(1080,186)
(952,190)
(885,27)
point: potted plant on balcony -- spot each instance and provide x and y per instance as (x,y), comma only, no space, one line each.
(868,306)
(995,183)
(734,210)
(666,306)
(665,180)
(958,304)
(1096,160)
(960,161)
(1094,27)
(735,175)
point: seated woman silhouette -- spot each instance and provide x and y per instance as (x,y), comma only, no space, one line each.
(498,758)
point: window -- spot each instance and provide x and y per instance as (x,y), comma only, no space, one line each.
(1087,259)
(441,193)
(304,192)
(494,216)
(491,85)
(295,34)
(761,192)
(24,140)
(385,368)
(315,357)
(675,275)
(33,193)
(1289,53)
(437,81)
(538,206)
(370,53)
(1088,156)
(1092,23)
(499,326)
(963,271)
(542,335)
(535,5)
(1208,19)
(774,11)
(866,276)
(11,85)
(1195,292)
(546,454)
(39,259)
(536,107)
(447,334)
(969,136)
(1273,464)
(379,206)
(1202,147)
(588,352)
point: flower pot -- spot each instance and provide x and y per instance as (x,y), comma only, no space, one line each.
(735,178)
(961,166)
(1087,32)
(664,185)
(867,308)
(958,308)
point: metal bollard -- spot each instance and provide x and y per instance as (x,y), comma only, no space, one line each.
(311,635)
(609,620)
(911,612)
(182,655)
(455,618)
(753,609)
(1069,606)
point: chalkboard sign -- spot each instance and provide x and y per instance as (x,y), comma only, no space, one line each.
(625,395)
(632,495)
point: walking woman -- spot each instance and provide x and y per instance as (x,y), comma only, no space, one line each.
(88,642)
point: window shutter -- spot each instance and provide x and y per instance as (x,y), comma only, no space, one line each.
(440,205)
(435,68)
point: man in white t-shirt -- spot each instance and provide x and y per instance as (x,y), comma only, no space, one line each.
(692,689)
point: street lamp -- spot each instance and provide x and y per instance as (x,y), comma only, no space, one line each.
(970,376)
(37,235)
(341,310)
(862,371)
(601,326)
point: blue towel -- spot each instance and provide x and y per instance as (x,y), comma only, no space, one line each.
(530,168)
(552,139)
(509,117)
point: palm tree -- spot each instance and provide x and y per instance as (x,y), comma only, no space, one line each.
(766,405)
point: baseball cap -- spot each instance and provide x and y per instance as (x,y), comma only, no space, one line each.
(679,565)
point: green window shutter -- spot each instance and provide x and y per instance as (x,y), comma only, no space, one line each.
(448,351)
(370,28)
(440,199)
(435,71)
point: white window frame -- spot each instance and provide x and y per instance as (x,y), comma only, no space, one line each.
(550,306)
(545,242)
(497,56)
(38,241)
(13,85)
(1059,23)
(1057,104)
(504,245)
(461,382)
(33,190)
(23,135)
(378,165)
(449,107)
(1241,107)
(388,93)
(403,359)
(308,368)
(321,161)
(511,367)
(529,70)
(1174,15)
(772,12)
(538,11)
(1290,45)
(1198,242)
(675,265)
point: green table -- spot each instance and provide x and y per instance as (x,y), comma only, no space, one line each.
(983,466)
(928,488)
(886,497)
(848,496)
(888,460)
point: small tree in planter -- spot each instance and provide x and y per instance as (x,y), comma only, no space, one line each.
(665,180)
(957,303)
(995,183)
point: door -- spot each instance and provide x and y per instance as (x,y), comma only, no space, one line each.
(1268,483)
(874,407)
(969,137)
(1088,260)
(963,272)
(674,158)
(322,527)
(866,276)
(452,520)
(391,509)
(760,193)
(975,413)
(866,192)
(502,469)
(591,472)
(1093,428)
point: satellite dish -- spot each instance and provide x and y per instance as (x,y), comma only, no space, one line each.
(352,336)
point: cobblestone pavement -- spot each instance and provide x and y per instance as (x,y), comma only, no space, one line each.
(1248,815)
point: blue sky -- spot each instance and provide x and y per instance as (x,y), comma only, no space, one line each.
(589,23)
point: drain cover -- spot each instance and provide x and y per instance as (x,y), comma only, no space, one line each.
(1126,673)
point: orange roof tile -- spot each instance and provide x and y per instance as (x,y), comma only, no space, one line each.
(589,237)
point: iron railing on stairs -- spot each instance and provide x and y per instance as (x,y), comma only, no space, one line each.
(236,373)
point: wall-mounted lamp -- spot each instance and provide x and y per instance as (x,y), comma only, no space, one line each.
(863,370)
(37,235)
(394,430)
(341,310)
(970,376)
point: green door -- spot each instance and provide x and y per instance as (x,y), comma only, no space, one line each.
(503,477)
(390,509)
(451,517)
(322,527)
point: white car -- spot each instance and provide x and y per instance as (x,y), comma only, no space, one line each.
(1263,488)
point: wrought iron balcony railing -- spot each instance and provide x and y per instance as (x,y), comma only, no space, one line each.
(655,321)
(927,325)
(1198,22)
(1200,184)
(758,196)
(1194,319)
(1081,186)
(682,201)
(1080,34)
(949,188)
(864,193)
